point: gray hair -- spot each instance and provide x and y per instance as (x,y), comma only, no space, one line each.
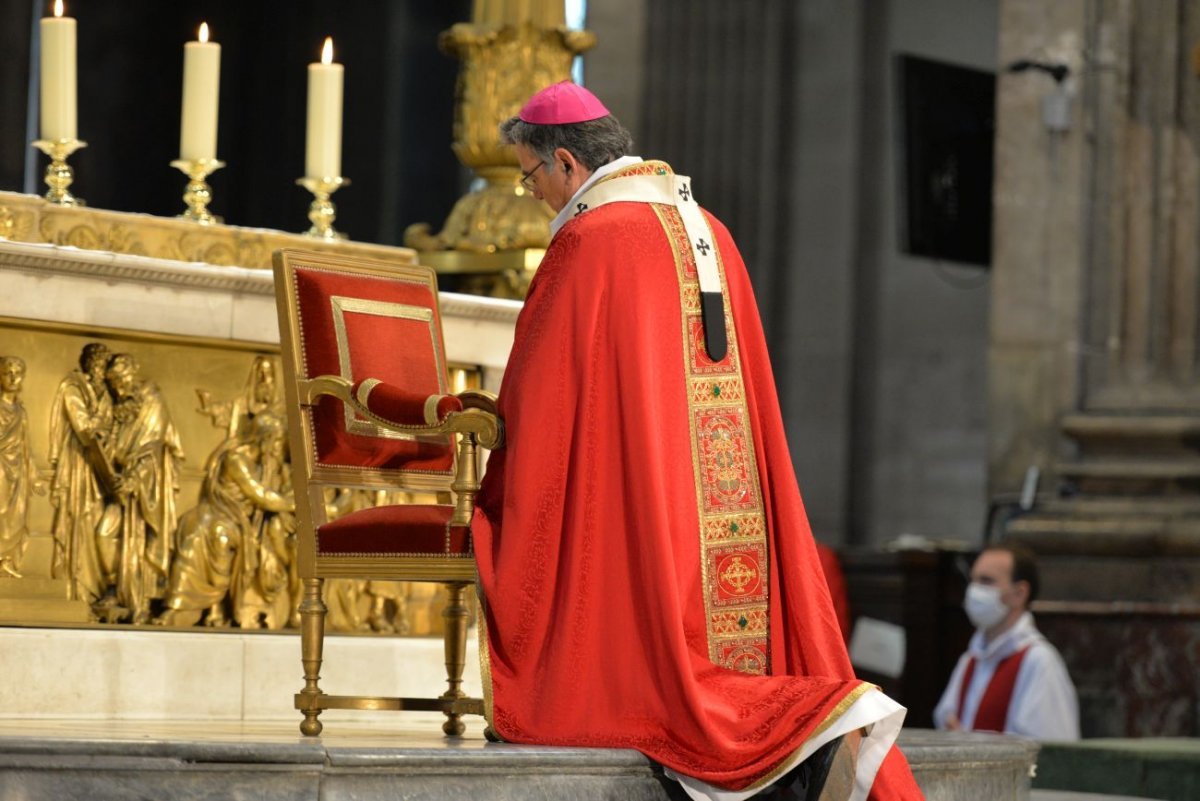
(595,142)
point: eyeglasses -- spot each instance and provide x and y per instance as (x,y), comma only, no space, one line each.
(526,176)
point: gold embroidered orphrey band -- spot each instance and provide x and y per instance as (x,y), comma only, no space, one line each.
(733,536)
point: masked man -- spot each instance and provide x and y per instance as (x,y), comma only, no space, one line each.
(1010,679)
(650,577)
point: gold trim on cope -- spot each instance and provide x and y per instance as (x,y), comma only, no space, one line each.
(738,635)
(838,710)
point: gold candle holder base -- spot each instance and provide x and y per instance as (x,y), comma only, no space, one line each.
(59,174)
(198,193)
(322,212)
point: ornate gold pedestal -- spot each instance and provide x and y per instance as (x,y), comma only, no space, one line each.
(198,193)
(503,274)
(59,175)
(322,212)
(497,233)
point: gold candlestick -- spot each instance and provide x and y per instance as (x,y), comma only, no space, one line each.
(198,193)
(59,174)
(322,212)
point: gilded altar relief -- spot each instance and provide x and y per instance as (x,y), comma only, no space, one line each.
(145,479)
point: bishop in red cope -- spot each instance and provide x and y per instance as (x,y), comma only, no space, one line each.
(649,575)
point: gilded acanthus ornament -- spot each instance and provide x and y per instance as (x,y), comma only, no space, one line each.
(26,218)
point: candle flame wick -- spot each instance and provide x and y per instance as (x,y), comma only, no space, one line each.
(58,8)
(203,36)
(327,51)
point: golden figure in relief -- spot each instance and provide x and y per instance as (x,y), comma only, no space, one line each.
(267,595)
(80,420)
(135,536)
(217,549)
(18,477)
(262,394)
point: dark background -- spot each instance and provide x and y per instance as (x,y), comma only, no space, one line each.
(949,129)
(787,115)
(130,56)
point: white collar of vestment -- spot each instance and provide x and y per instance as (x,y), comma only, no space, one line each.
(1022,634)
(665,188)
(568,211)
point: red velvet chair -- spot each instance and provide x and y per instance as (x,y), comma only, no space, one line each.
(365,384)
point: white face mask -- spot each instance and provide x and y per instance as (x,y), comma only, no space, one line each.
(983,605)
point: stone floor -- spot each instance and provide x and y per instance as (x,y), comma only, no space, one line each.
(103,759)
(1067,795)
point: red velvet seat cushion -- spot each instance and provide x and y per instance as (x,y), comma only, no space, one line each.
(400,406)
(408,529)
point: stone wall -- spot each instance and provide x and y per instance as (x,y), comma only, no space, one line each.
(785,115)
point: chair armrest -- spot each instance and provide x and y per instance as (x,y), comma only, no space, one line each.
(478,399)
(484,425)
(409,408)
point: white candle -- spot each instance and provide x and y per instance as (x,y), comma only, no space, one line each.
(201,91)
(323,155)
(58,75)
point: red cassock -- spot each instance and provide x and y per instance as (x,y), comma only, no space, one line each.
(650,578)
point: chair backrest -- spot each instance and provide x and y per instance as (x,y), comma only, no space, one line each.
(361,319)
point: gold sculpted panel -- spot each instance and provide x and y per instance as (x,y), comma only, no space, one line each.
(146,477)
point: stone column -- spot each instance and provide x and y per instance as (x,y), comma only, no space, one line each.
(1093,363)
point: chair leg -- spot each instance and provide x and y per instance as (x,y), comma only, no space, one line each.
(455,615)
(312,640)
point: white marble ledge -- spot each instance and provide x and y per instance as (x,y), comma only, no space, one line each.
(66,284)
(48,259)
(127,674)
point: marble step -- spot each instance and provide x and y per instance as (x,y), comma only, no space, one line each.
(199,761)
(1067,795)
(197,714)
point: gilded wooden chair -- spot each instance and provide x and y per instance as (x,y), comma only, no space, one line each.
(366,390)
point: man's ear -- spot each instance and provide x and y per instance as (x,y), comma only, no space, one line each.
(566,160)
(1022,589)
